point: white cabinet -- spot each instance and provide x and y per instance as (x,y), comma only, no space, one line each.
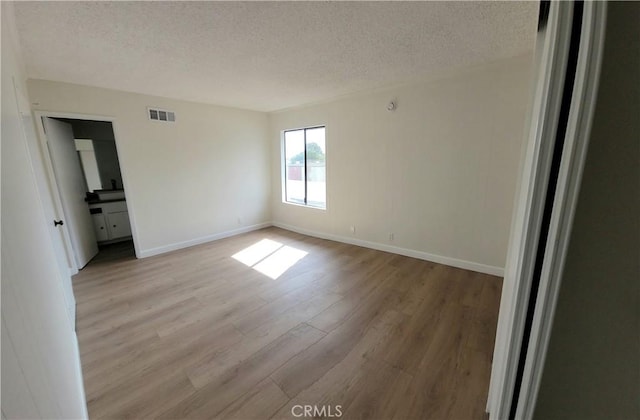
(100,226)
(119,225)
(110,220)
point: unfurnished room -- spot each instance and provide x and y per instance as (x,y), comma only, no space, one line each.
(282,210)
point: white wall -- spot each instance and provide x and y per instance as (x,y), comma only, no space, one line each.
(439,172)
(40,363)
(185,182)
(592,367)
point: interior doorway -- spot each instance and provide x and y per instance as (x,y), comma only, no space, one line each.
(83,166)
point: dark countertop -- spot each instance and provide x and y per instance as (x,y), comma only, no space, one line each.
(105,201)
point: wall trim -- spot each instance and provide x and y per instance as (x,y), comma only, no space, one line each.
(577,137)
(144,253)
(453,262)
(79,377)
(513,341)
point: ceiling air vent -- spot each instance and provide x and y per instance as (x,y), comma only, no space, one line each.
(156,114)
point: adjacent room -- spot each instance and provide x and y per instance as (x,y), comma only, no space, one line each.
(269,209)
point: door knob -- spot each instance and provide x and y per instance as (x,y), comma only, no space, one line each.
(58,222)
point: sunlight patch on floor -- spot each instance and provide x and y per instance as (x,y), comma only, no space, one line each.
(269,257)
(257,252)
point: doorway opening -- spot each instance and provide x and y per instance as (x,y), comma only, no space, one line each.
(85,174)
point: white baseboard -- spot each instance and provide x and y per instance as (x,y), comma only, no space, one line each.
(453,262)
(79,378)
(203,239)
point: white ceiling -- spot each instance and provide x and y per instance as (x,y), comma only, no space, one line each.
(266,55)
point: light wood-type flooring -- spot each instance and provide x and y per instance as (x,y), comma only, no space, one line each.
(366,334)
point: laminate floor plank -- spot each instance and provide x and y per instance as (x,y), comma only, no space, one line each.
(309,366)
(231,383)
(259,337)
(261,402)
(349,377)
(233,329)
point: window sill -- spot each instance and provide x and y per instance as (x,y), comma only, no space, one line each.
(306,206)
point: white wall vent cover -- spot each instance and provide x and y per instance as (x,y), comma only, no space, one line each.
(161,115)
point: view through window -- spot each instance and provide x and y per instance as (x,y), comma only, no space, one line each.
(305,167)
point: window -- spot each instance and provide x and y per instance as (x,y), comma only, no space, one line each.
(305,167)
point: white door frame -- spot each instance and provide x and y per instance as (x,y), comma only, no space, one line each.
(526,228)
(527,217)
(52,179)
(565,200)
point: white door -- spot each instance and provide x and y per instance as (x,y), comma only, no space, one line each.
(71,185)
(59,234)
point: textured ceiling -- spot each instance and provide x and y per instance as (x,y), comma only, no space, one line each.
(266,55)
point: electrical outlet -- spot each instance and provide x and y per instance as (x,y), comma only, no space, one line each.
(239,220)
(391,236)
(352,229)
